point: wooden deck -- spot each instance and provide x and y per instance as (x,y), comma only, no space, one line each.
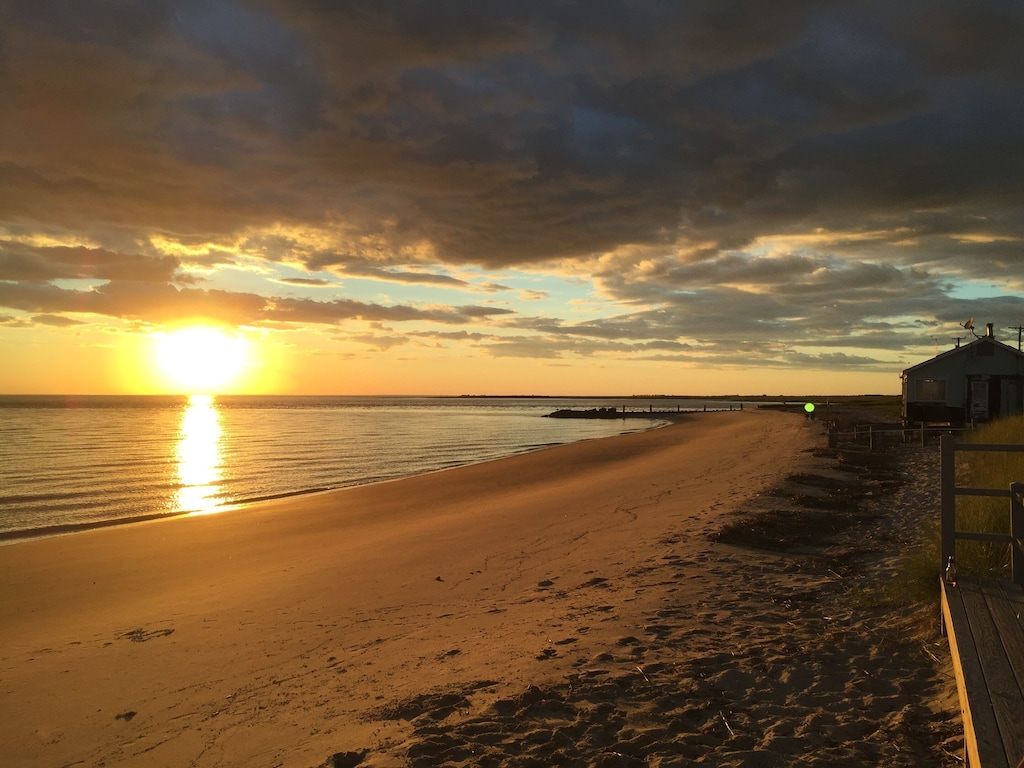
(984,621)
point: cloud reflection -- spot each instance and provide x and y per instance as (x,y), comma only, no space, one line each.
(199,457)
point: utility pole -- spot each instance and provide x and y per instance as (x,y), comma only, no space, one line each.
(1018,329)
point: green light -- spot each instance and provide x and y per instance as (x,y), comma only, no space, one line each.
(809,407)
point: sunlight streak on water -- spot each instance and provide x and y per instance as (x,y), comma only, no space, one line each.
(199,457)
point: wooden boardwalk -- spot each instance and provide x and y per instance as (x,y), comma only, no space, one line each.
(984,621)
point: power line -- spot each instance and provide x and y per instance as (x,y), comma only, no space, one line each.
(1019,329)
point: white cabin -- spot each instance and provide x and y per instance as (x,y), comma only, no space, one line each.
(979,381)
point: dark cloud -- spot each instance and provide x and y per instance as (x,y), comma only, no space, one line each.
(161,303)
(513,133)
(812,172)
(23,262)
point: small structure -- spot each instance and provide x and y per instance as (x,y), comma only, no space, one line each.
(976,382)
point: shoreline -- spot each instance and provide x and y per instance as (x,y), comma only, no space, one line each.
(17,535)
(540,595)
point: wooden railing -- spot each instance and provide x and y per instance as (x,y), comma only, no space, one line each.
(878,435)
(950,490)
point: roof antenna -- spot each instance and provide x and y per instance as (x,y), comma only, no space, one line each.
(969,325)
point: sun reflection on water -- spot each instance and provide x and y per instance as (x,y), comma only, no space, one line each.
(199,457)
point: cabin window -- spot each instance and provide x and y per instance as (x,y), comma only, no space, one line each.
(931,390)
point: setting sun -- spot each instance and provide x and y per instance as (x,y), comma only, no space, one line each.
(201,359)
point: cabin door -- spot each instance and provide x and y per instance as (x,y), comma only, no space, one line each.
(979,400)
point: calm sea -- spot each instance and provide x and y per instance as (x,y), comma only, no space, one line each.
(70,462)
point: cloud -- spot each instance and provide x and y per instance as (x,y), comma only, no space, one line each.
(380,341)
(306,282)
(394,276)
(57,321)
(799,173)
(513,134)
(527,294)
(166,304)
(33,263)
(331,312)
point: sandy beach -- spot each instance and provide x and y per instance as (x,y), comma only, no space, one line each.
(591,604)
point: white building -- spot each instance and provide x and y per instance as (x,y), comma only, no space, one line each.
(979,381)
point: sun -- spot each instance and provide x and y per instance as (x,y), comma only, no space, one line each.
(201,359)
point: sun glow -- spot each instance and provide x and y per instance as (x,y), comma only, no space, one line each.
(201,359)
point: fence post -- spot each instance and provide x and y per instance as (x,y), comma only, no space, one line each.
(947,486)
(924,438)
(1017,532)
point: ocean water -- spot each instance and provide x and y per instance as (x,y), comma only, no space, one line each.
(77,462)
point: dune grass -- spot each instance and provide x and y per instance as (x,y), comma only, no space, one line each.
(922,565)
(988,515)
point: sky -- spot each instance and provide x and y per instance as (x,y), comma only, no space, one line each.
(481,197)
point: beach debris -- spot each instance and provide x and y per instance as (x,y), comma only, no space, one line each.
(142,635)
(641,671)
(727,726)
(126,716)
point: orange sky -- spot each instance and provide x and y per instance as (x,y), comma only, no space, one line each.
(112,362)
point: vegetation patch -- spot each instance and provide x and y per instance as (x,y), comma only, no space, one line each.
(784,529)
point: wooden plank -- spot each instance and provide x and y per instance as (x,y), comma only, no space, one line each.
(1005,695)
(997,447)
(1006,603)
(1003,538)
(995,493)
(981,735)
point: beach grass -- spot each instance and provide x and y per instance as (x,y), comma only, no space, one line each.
(922,564)
(988,515)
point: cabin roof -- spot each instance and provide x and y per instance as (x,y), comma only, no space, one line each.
(962,350)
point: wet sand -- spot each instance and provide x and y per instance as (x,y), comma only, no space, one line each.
(591,604)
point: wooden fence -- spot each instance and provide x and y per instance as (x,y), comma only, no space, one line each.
(948,448)
(879,435)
